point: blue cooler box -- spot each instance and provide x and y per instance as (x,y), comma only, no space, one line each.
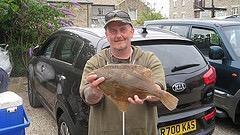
(13,119)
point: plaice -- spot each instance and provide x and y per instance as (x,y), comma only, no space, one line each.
(126,80)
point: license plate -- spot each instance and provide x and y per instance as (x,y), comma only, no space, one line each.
(180,128)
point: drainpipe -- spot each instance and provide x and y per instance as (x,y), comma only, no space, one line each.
(213,9)
(89,15)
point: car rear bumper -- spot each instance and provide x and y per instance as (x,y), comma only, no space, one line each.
(203,126)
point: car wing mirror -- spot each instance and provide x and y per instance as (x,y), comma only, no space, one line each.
(216,53)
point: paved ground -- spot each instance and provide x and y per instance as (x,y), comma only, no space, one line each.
(43,124)
(226,127)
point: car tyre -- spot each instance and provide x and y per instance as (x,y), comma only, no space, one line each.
(32,96)
(64,125)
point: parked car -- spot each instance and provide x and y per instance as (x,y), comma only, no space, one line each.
(224,38)
(54,75)
(233,18)
(230,17)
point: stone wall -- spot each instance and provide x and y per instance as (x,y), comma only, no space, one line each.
(181,10)
(188,10)
(82,15)
(132,4)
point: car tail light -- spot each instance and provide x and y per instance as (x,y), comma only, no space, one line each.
(210,115)
(210,76)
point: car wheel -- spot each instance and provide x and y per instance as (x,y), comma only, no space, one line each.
(64,125)
(33,100)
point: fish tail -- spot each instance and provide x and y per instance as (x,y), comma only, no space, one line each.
(168,100)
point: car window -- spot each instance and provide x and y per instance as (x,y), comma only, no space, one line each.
(204,38)
(186,55)
(67,49)
(167,27)
(180,29)
(233,36)
(49,47)
(77,47)
(87,51)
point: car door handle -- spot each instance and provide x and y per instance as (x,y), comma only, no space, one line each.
(60,85)
(61,77)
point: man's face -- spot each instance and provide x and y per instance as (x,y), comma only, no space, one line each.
(119,35)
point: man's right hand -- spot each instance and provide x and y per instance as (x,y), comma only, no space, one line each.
(92,93)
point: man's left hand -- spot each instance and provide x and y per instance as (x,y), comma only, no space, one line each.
(137,100)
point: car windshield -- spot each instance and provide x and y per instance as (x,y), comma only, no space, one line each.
(233,35)
(177,58)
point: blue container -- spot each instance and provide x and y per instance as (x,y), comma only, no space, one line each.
(13,119)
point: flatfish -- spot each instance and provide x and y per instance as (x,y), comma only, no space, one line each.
(126,80)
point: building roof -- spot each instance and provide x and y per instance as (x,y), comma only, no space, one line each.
(79,1)
(95,2)
(106,2)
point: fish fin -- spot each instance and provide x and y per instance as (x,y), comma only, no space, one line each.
(143,71)
(147,73)
(168,100)
(121,105)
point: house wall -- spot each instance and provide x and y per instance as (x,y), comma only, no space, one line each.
(175,12)
(105,9)
(82,14)
(98,14)
(137,5)
(228,4)
(181,9)
(88,14)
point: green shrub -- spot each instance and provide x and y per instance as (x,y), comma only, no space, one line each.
(23,24)
(148,15)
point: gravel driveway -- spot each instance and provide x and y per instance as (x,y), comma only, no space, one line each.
(41,122)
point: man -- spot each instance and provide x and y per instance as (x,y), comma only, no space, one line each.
(105,118)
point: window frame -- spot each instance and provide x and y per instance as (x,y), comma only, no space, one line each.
(183,3)
(176,25)
(76,40)
(235,10)
(204,28)
(183,15)
(174,3)
(47,43)
(100,11)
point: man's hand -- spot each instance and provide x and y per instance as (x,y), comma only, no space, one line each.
(154,98)
(137,100)
(92,93)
